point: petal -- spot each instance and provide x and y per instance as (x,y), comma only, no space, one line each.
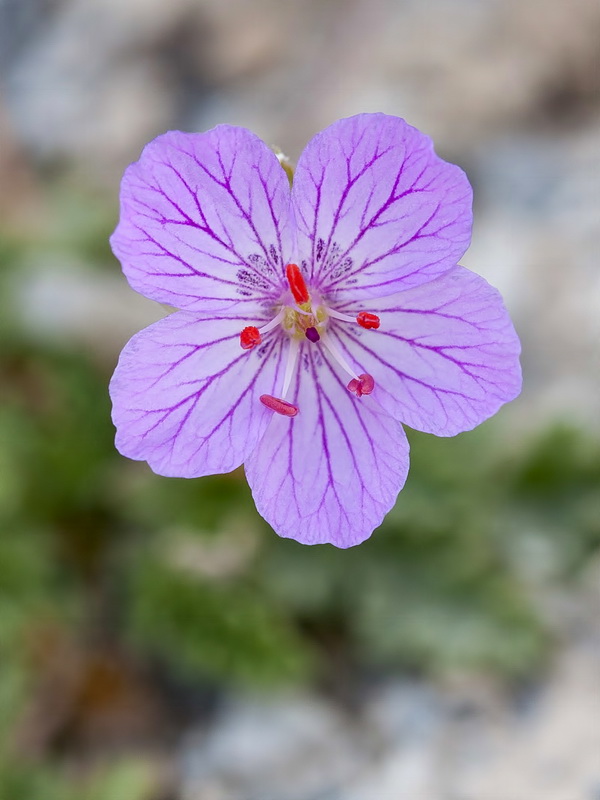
(204,221)
(331,473)
(446,356)
(185,395)
(377,210)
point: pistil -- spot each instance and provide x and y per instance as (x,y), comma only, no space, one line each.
(297,284)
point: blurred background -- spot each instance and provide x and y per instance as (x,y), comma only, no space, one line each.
(157,640)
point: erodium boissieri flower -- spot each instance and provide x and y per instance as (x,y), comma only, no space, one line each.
(312,322)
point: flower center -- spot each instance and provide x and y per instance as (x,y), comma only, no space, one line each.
(307,319)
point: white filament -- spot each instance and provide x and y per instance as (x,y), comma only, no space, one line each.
(273,323)
(328,342)
(290,366)
(338,315)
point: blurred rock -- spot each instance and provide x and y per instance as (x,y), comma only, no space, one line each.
(290,748)
(467,737)
(554,753)
(25,197)
(412,740)
(69,304)
(536,238)
(462,70)
(90,86)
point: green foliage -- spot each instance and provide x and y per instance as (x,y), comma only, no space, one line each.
(227,629)
(432,588)
(123,780)
(554,492)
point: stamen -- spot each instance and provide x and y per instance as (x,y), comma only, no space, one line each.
(364,384)
(312,334)
(290,366)
(328,342)
(367,320)
(297,284)
(250,337)
(360,384)
(331,312)
(364,318)
(274,322)
(279,406)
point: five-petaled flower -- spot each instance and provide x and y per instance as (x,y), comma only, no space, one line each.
(313,321)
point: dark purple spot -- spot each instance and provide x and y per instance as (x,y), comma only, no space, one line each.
(260,263)
(312,334)
(320,246)
(252,279)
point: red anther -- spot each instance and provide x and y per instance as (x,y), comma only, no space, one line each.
(367,384)
(250,337)
(364,384)
(297,284)
(279,406)
(367,320)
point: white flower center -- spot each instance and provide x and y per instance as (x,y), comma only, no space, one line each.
(307,320)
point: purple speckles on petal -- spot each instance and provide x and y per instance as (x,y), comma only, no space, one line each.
(314,321)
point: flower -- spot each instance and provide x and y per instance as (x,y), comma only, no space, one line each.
(312,322)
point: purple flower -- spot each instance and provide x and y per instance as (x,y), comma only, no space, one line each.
(312,322)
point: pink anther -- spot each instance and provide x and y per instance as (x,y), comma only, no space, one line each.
(364,384)
(367,320)
(279,406)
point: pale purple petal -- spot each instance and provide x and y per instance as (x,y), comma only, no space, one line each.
(377,210)
(185,395)
(205,221)
(446,356)
(331,473)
